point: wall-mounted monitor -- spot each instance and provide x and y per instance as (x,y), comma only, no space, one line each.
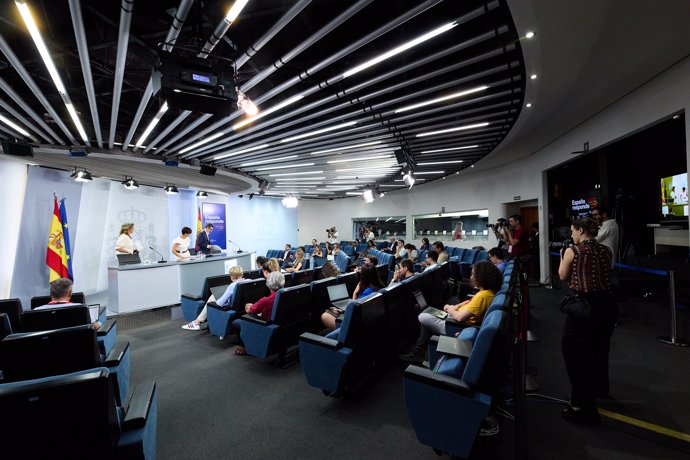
(674,195)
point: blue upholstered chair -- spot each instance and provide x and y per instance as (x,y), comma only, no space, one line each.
(499,302)
(13,309)
(336,365)
(192,304)
(74,315)
(33,355)
(351,280)
(5,326)
(263,337)
(341,261)
(39,301)
(319,300)
(220,318)
(439,401)
(85,419)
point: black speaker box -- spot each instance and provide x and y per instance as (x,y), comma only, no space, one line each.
(207,170)
(21,150)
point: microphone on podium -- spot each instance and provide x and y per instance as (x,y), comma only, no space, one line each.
(239,251)
(162,261)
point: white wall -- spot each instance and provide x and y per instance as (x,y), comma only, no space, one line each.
(494,189)
(12,186)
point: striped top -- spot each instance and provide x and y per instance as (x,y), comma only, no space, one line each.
(591,267)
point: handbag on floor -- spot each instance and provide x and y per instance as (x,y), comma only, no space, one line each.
(576,306)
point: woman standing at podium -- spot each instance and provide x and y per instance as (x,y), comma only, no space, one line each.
(125,244)
(180,246)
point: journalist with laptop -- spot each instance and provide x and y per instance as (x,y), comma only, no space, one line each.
(224,294)
(369,282)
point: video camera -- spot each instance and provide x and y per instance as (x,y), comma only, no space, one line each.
(499,225)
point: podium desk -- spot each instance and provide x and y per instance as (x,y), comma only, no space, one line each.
(146,286)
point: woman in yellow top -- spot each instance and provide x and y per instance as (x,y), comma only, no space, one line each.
(485,277)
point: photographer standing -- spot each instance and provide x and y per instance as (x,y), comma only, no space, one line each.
(332,235)
(515,236)
(497,228)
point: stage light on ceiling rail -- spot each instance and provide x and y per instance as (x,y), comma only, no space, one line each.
(170,190)
(81,175)
(245,104)
(130,184)
(368,195)
(201,194)
(290,201)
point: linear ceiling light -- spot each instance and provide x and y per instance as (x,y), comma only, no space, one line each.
(296,187)
(431,163)
(298,165)
(451,149)
(50,65)
(202,142)
(268,111)
(254,163)
(239,152)
(354,193)
(154,122)
(400,49)
(443,98)
(428,173)
(296,173)
(300,179)
(359,159)
(319,131)
(403,180)
(235,10)
(14,126)
(450,130)
(349,147)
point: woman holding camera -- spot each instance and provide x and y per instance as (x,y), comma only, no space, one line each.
(586,265)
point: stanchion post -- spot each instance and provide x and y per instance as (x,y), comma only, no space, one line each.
(673,339)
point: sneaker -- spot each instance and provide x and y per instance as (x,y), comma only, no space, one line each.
(192,326)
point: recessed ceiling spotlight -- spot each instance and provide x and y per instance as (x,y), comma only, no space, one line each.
(528,105)
(533,76)
(529,34)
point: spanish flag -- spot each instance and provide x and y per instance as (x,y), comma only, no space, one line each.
(198,222)
(56,255)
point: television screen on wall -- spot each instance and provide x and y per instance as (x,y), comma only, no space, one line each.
(674,195)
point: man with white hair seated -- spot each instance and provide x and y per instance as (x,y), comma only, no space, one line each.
(262,308)
(61,296)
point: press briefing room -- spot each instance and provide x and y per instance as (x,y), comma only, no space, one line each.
(317,229)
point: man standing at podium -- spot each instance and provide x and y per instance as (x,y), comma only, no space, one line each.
(203,242)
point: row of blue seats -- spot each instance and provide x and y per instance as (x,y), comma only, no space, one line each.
(373,331)
(46,357)
(458,390)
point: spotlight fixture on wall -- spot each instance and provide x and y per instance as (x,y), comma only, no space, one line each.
(130,183)
(245,104)
(368,195)
(290,201)
(170,190)
(81,175)
(201,194)
(251,195)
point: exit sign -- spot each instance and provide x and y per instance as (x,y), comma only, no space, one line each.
(516,198)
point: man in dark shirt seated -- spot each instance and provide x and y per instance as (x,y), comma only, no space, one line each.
(262,308)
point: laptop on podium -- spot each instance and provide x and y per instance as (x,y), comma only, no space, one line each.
(128,259)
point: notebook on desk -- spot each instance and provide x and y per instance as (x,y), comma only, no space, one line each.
(338,296)
(421,301)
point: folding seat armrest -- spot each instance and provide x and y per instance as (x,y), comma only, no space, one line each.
(116,354)
(215,306)
(191,297)
(444,382)
(315,339)
(106,327)
(138,406)
(254,319)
